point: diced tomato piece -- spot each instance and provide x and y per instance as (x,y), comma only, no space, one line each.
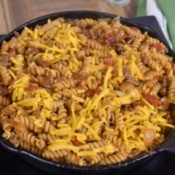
(139,103)
(109,61)
(32,86)
(154,100)
(76,142)
(160,47)
(104,36)
(92,92)
(109,37)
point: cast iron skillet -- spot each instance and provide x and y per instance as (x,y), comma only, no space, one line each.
(65,169)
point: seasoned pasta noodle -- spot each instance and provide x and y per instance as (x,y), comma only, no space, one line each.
(85,91)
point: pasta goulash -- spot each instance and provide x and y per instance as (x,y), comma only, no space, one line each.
(85,92)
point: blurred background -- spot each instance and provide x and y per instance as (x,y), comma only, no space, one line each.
(15,12)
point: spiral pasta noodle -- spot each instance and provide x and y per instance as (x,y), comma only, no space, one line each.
(86,91)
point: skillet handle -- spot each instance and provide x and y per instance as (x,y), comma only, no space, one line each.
(169,144)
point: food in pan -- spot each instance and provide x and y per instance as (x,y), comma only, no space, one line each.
(85,91)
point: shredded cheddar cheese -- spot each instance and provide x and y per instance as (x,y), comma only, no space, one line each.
(107,77)
(58,146)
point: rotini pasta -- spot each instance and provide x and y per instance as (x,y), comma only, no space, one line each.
(85,91)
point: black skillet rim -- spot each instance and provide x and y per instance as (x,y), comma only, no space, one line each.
(86,14)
